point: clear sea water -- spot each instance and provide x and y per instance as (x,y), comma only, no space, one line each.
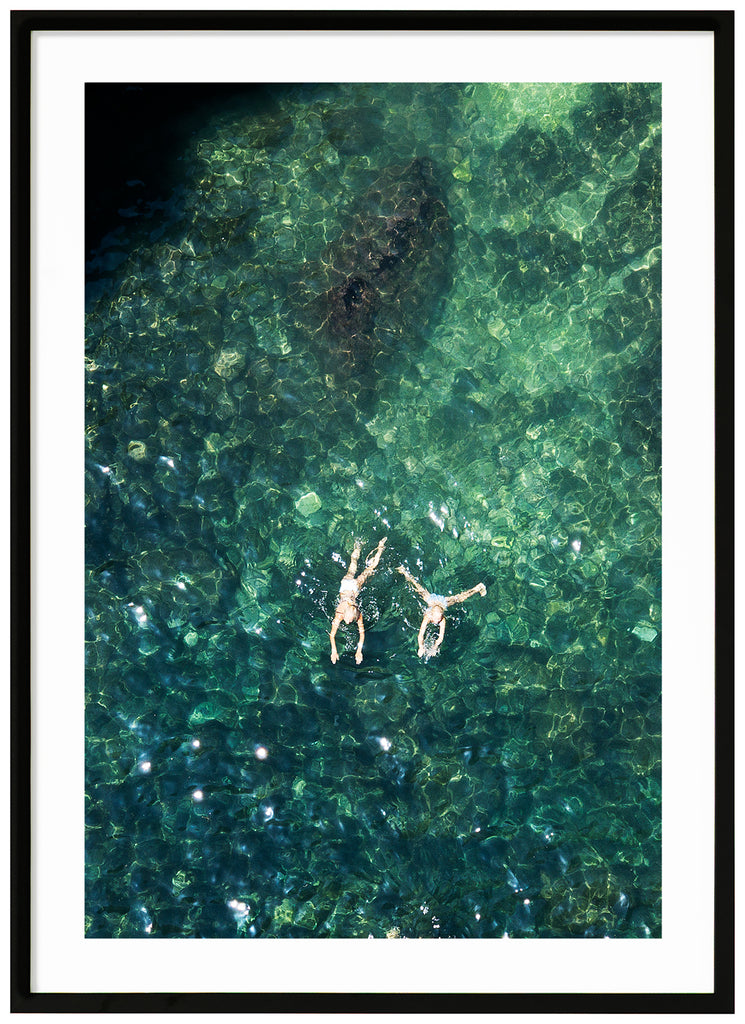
(507,432)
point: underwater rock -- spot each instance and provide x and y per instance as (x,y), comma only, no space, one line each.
(378,285)
(308,504)
(530,264)
(533,166)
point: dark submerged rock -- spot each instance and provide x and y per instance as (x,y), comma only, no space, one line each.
(377,287)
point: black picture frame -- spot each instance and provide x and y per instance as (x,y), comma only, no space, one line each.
(23,24)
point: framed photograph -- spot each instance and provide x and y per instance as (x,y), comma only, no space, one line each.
(365,377)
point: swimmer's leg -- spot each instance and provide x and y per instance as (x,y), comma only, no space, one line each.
(352,570)
(372,562)
(457,598)
(424,594)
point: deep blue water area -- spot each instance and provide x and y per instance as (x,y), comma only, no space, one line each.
(321,314)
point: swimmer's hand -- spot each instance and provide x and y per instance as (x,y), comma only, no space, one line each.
(334,657)
(481,589)
(358,657)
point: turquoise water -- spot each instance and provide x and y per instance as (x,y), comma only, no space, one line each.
(496,416)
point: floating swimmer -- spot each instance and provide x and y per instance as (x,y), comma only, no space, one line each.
(435,610)
(349,588)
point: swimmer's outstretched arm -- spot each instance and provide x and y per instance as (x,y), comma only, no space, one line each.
(372,563)
(422,631)
(424,594)
(420,638)
(361,627)
(457,598)
(332,636)
(436,648)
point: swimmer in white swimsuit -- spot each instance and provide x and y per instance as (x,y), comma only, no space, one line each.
(434,613)
(349,588)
